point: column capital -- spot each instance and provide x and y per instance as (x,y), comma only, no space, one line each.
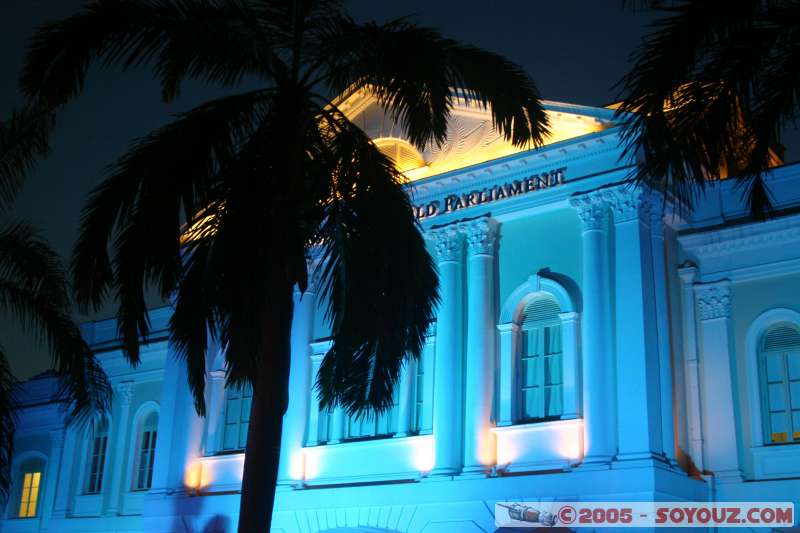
(448,242)
(592,209)
(125,392)
(630,203)
(714,299)
(481,235)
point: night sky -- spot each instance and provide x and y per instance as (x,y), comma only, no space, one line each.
(575,51)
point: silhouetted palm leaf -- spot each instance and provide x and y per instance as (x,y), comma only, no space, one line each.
(23,138)
(33,289)
(710,91)
(8,422)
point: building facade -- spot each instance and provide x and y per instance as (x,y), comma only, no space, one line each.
(594,342)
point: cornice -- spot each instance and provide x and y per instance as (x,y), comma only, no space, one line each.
(517,166)
(781,232)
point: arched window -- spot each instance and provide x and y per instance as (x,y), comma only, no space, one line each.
(30,481)
(539,354)
(97,457)
(779,361)
(237,417)
(540,377)
(145,452)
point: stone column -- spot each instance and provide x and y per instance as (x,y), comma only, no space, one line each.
(638,373)
(720,454)
(448,366)
(479,444)
(312,432)
(215,411)
(405,409)
(51,480)
(119,459)
(295,421)
(507,389)
(694,420)
(429,359)
(662,331)
(598,379)
(70,457)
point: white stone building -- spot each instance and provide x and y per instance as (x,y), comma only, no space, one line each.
(593,343)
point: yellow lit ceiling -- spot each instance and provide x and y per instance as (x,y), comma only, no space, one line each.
(471,138)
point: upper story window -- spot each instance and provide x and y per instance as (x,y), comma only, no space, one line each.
(237,417)
(97,457)
(539,363)
(779,361)
(31,482)
(540,377)
(145,453)
(411,412)
(373,426)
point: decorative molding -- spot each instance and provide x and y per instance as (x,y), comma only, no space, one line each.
(592,209)
(125,392)
(481,235)
(515,303)
(629,203)
(781,232)
(448,242)
(713,299)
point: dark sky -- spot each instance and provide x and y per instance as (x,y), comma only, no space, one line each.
(574,50)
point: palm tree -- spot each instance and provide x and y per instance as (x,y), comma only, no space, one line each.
(33,289)
(260,178)
(710,91)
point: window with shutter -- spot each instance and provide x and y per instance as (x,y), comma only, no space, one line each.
(237,417)
(779,359)
(540,367)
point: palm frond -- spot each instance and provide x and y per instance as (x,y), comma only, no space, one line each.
(83,387)
(28,260)
(166,176)
(709,92)
(420,92)
(379,280)
(213,40)
(193,318)
(23,138)
(8,422)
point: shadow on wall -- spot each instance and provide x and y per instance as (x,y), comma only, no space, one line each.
(189,518)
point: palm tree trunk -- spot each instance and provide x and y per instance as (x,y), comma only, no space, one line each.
(270,399)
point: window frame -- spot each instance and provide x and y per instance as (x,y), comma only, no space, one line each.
(89,455)
(510,328)
(144,426)
(792,436)
(29,462)
(244,391)
(755,395)
(521,417)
